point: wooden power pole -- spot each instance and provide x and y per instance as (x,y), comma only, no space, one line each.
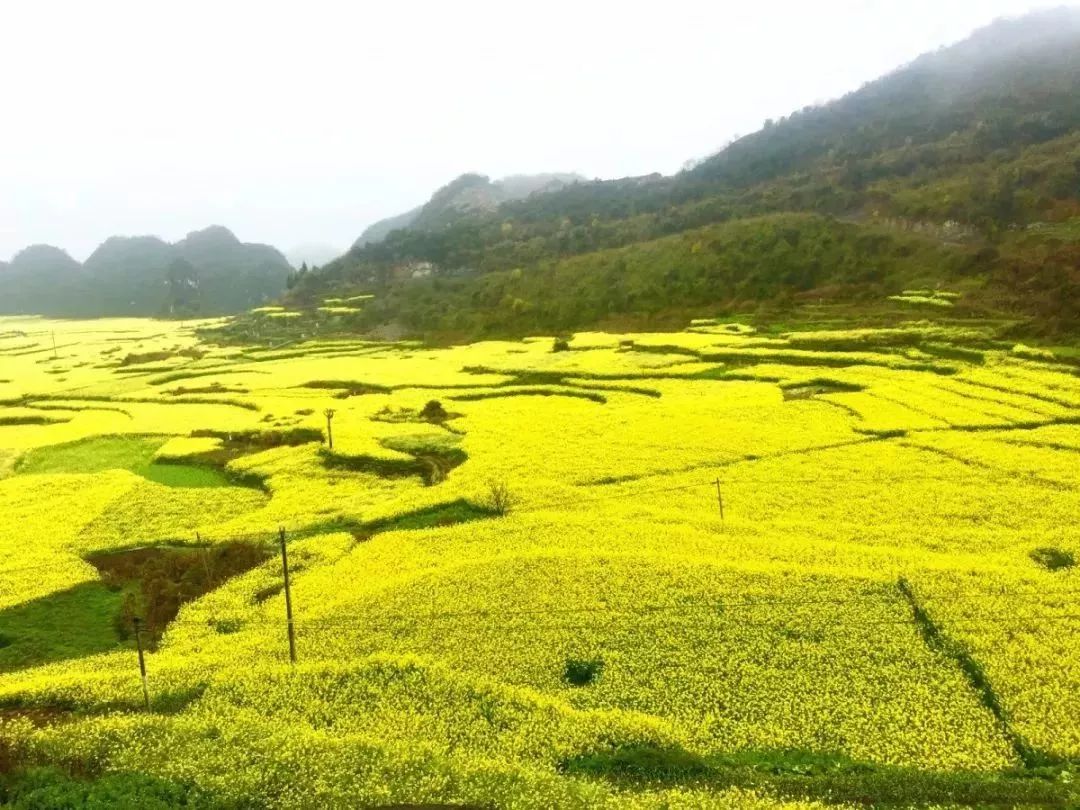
(329,413)
(288,596)
(142,662)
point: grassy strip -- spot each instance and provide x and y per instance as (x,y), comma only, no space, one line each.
(357,350)
(518,378)
(971,396)
(242,442)
(747,458)
(41,350)
(40,406)
(1020,393)
(203,372)
(831,778)
(824,385)
(348,388)
(1011,426)
(531,392)
(232,403)
(443,514)
(976,676)
(719,373)
(947,351)
(17,421)
(738,358)
(432,465)
(139,370)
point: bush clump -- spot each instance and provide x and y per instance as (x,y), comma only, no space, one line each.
(582,672)
(1053,559)
(434,412)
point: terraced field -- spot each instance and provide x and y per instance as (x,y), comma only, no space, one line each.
(706,568)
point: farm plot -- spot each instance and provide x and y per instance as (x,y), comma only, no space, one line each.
(749,570)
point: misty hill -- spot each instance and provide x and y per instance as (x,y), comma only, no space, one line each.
(209,272)
(466,195)
(33,275)
(1010,85)
(972,151)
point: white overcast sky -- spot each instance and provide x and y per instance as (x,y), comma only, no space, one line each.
(306,121)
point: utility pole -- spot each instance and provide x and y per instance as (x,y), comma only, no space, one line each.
(288,596)
(54,345)
(720,501)
(329,413)
(142,661)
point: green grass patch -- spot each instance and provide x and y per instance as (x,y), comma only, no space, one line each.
(132,453)
(40,788)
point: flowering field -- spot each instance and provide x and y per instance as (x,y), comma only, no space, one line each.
(700,569)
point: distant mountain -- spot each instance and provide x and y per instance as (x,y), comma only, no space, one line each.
(313,254)
(126,271)
(234,275)
(36,273)
(465,195)
(208,272)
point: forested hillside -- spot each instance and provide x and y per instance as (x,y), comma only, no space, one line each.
(465,195)
(209,272)
(962,167)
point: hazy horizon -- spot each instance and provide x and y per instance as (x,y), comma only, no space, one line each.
(302,128)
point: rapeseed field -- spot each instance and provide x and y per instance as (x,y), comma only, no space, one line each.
(710,568)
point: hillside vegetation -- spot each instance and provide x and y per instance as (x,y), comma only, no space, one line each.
(973,150)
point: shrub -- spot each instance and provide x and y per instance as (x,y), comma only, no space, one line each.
(500,499)
(582,672)
(434,412)
(1053,559)
(560,345)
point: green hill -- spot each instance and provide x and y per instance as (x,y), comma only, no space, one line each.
(962,167)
